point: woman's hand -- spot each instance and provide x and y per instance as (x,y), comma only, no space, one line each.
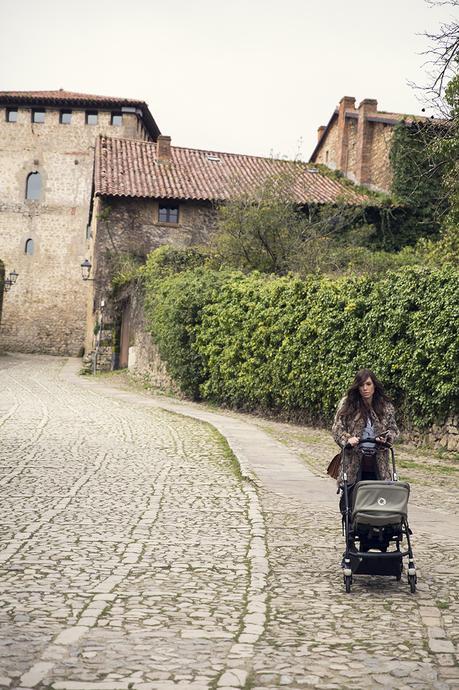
(353,441)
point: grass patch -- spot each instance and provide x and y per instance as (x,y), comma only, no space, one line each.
(442,605)
(428,467)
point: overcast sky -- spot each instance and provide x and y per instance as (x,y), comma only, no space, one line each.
(246,76)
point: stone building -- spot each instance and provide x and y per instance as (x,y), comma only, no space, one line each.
(357,142)
(91,177)
(151,193)
(47,142)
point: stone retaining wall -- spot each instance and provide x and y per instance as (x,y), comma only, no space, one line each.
(145,364)
(438,436)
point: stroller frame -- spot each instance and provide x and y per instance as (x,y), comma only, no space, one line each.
(381,561)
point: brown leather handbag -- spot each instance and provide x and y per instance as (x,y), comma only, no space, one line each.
(333,468)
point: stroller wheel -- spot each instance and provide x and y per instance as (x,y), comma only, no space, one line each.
(412,579)
(399,576)
(347,583)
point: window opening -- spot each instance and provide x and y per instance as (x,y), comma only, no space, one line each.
(65,117)
(117,119)
(28,249)
(33,186)
(168,213)
(38,116)
(92,117)
(11,115)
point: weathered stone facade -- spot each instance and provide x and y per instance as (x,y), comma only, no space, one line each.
(445,436)
(144,362)
(357,142)
(45,239)
(127,226)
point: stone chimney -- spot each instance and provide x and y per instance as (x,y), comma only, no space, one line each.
(320,131)
(163,148)
(369,106)
(347,103)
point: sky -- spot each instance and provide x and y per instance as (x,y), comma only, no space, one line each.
(243,76)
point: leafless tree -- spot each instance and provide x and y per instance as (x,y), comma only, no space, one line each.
(442,59)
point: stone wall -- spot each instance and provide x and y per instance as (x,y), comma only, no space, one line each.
(46,310)
(127,227)
(131,226)
(381,172)
(145,364)
(439,436)
(358,145)
(328,152)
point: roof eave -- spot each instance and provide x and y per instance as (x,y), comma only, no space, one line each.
(56,102)
(113,195)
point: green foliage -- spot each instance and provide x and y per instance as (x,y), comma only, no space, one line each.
(123,268)
(446,148)
(261,230)
(417,180)
(266,231)
(176,289)
(292,345)
(167,260)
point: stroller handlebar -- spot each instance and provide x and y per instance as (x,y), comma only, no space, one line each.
(374,441)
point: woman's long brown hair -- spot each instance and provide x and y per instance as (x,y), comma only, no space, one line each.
(354,402)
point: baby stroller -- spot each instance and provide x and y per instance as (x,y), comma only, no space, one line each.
(374,519)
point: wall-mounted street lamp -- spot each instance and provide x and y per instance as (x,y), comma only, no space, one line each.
(10,281)
(86,266)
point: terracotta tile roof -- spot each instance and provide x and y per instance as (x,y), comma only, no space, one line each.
(61,98)
(130,168)
(60,95)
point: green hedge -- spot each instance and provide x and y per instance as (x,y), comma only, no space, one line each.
(291,345)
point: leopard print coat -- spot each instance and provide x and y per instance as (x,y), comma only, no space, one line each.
(343,429)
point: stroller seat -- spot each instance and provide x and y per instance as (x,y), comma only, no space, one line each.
(378,504)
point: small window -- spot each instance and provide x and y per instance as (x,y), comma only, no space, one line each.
(28,249)
(38,116)
(33,186)
(11,115)
(92,117)
(65,117)
(168,213)
(117,119)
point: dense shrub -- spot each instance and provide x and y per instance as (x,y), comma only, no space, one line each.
(291,345)
(177,286)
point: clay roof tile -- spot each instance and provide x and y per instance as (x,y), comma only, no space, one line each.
(131,168)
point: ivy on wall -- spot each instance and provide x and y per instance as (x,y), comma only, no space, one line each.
(417,184)
(292,345)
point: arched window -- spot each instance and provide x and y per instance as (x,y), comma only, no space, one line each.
(28,248)
(33,186)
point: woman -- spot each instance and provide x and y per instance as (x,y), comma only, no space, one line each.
(365,412)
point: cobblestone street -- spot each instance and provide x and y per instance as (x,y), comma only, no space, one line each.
(140,551)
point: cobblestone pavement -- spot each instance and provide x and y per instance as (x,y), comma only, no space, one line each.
(135,554)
